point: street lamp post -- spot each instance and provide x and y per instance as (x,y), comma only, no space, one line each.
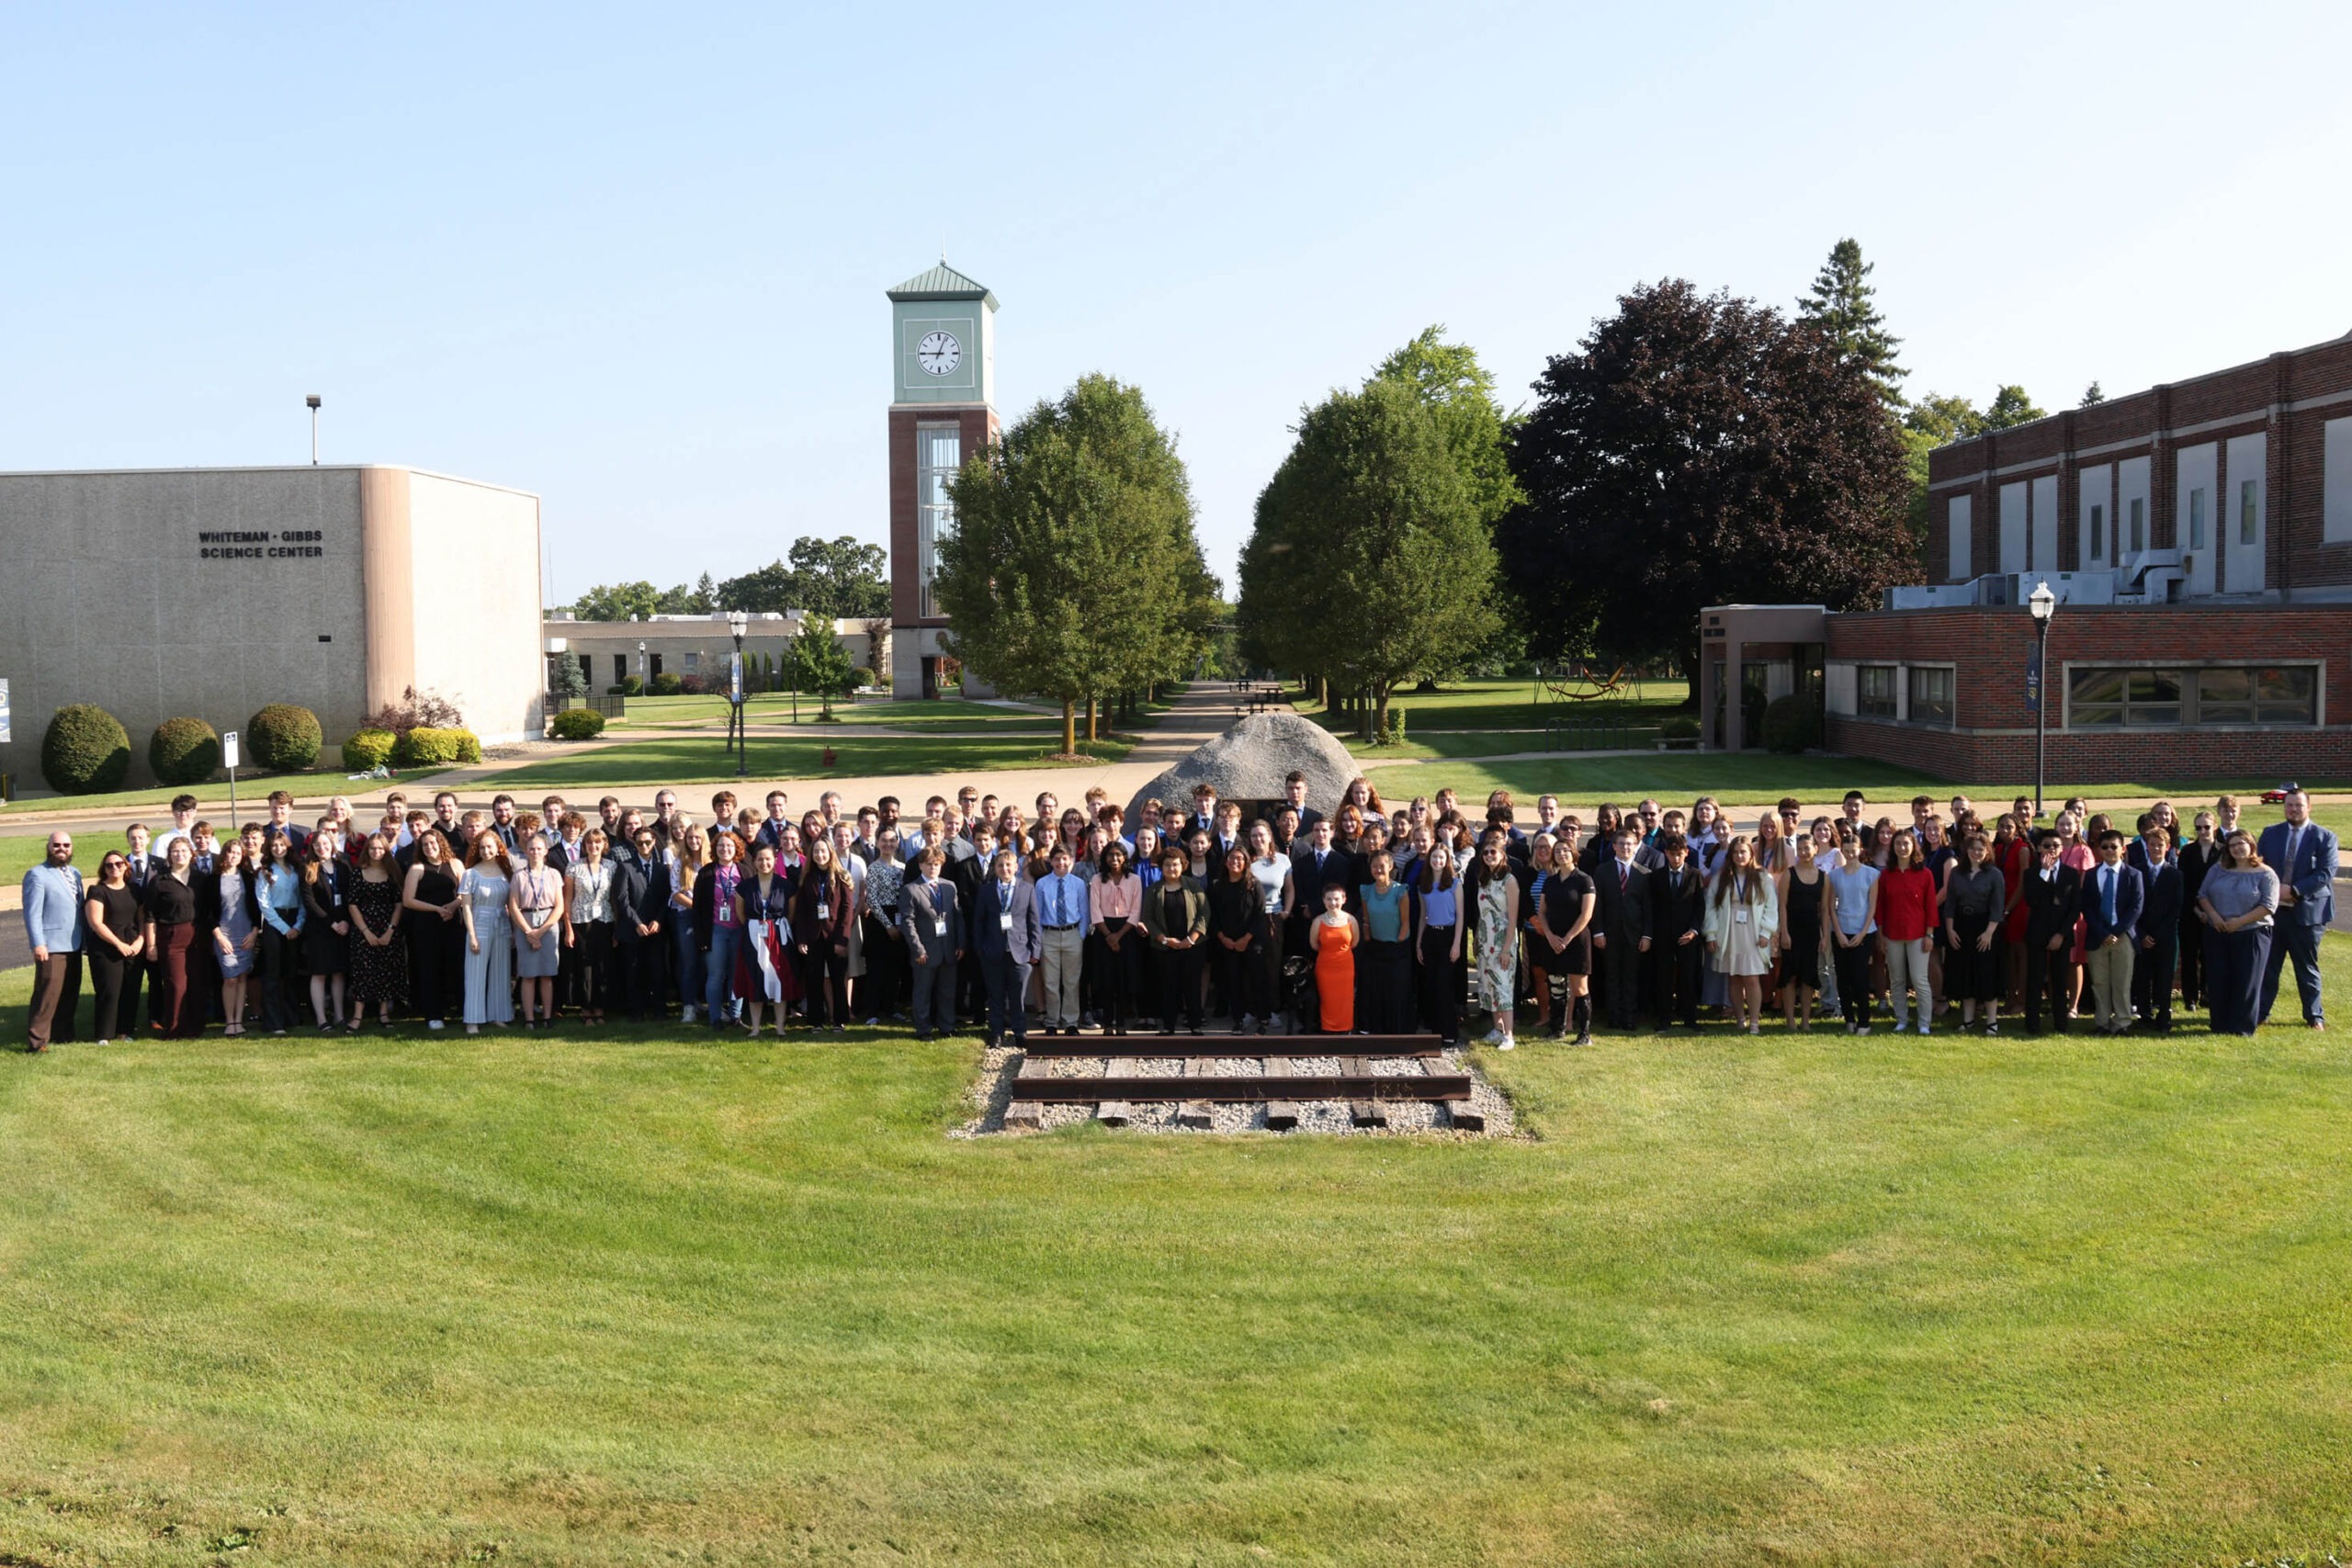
(644,670)
(2044,604)
(311,401)
(737,621)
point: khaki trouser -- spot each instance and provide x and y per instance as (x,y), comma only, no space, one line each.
(2107,969)
(1906,969)
(1060,959)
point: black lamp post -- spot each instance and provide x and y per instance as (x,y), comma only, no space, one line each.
(736,622)
(2044,604)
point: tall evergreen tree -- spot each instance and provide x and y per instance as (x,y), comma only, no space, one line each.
(1072,570)
(1844,303)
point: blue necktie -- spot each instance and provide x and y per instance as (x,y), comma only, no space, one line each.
(2107,894)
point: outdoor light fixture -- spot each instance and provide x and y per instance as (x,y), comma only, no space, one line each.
(2044,604)
(313,401)
(736,622)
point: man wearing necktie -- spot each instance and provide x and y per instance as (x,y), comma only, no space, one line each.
(1061,901)
(2113,895)
(2303,854)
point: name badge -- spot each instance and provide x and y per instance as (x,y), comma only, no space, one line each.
(1004,922)
(1739,916)
(825,911)
(939,928)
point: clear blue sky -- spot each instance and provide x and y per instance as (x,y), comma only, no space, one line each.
(637,264)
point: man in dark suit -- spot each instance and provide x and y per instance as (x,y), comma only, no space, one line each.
(2152,971)
(2303,854)
(640,901)
(1312,868)
(970,872)
(1294,792)
(1622,926)
(2113,895)
(1678,913)
(2053,894)
(931,920)
(1006,934)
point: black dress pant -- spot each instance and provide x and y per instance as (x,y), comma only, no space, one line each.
(886,963)
(824,980)
(2047,981)
(649,972)
(1119,972)
(1384,988)
(1180,986)
(1440,977)
(107,970)
(2151,973)
(275,972)
(1853,966)
(1676,980)
(438,949)
(1622,962)
(2192,960)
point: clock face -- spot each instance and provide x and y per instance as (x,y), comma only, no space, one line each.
(939,352)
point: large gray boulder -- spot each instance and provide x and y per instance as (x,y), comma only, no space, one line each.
(1248,762)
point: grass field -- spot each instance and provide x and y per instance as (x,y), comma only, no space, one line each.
(769,708)
(703,759)
(640,1299)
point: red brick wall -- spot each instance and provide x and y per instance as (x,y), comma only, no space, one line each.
(977,427)
(1993,737)
(2243,400)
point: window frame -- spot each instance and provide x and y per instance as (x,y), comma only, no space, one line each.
(1949,719)
(1863,699)
(2191,701)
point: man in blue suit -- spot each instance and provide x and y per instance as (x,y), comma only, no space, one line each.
(2303,854)
(54,925)
(2113,894)
(1006,934)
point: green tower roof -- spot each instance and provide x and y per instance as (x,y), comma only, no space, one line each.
(943,282)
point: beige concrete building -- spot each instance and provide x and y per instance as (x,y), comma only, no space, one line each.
(689,646)
(212,591)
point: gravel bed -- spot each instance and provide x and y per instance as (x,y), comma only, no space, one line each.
(994,1093)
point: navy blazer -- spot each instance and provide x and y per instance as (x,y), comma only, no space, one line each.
(2130,895)
(2313,877)
(990,939)
(2160,914)
(641,896)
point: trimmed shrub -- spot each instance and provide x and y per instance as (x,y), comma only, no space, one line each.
(468,745)
(183,751)
(667,685)
(1792,724)
(860,676)
(630,686)
(1678,726)
(369,749)
(577,724)
(283,739)
(85,751)
(425,747)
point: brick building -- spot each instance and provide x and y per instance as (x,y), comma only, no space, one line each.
(2198,538)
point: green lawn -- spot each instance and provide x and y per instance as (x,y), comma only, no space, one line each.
(1514,705)
(635,1300)
(251,790)
(19,852)
(942,713)
(704,758)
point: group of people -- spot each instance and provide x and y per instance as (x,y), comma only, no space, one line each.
(1368,919)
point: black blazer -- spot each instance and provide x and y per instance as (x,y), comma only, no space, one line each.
(1675,909)
(2049,906)
(1625,912)
(1309,880)
(2161,914)
(640,894)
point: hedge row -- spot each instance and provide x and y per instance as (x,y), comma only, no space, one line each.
(86,751)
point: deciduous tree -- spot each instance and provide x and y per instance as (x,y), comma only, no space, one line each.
(1695,449)
(1368,563)
(1071,570)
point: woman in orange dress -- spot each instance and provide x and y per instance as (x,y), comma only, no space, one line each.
(1336,938)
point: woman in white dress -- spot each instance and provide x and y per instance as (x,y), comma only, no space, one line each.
(1741,927)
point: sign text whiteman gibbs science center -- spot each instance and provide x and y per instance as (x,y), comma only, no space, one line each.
(237,544)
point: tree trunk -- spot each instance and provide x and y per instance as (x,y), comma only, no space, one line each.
(1069,726)
(1692,666)
(1092,707)
(1380,711)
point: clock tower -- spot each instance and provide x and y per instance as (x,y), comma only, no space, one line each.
(943,411)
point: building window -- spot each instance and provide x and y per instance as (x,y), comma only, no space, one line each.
(620,668)
(693,661)
(2197,518)
(1874,691)
(2098,533)
(939,453)
(656,668)
(1931,695)
(2245,515)
(2284,695)
(2139,526)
